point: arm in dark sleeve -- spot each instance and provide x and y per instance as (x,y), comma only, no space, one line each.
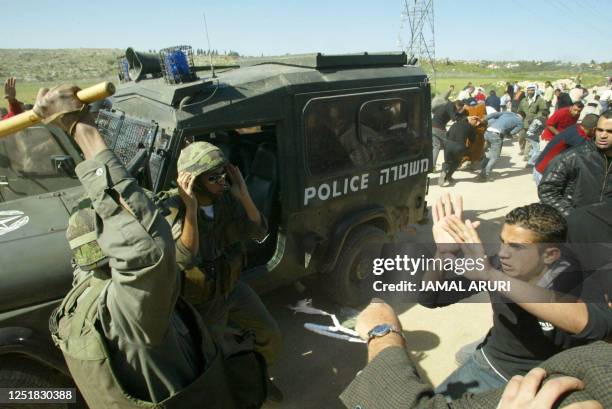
(441,298)
(551,189)
(391,381)
(599,325)
(138,242)
(471,134)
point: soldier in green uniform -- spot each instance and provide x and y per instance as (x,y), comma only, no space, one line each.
(210,221)
(128,339)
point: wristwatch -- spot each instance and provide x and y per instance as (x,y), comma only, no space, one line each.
(381,330)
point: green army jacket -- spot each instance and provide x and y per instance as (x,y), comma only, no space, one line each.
(534,110)
(151,347)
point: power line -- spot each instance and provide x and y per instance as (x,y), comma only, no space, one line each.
(420,17)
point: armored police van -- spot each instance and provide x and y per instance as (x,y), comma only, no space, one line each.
(335,151)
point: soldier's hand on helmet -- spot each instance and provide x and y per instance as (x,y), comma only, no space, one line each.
(185,183)
(60,106)
(239,187)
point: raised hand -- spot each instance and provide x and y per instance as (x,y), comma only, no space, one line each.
(10,91)
(447,241)
(239,187)
(471,245)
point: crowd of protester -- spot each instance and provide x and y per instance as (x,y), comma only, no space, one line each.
(544,113)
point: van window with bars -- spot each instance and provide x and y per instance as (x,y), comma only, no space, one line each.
(352,132)
(391,128)
(331,136)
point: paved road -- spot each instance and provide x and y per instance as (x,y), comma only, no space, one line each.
(313,370)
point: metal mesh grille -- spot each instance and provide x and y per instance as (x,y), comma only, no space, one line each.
(125,135)
(177,64)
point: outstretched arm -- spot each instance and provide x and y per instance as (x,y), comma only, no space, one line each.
(133,235)
(10,94)
(563,311)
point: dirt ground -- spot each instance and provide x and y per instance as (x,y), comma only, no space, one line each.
(313,370)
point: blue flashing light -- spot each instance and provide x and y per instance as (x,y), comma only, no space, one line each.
(177,65)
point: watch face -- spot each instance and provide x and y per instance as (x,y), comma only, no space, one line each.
(380,330)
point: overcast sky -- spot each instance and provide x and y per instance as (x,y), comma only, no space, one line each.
(567,30)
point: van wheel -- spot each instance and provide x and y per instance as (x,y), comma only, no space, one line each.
(352,277)
(18,372)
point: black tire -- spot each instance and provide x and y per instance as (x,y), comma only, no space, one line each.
(18,372)
(352,278)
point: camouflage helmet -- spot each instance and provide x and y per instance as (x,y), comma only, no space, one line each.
(200,157)
(82,237)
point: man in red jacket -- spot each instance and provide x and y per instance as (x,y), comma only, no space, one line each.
(568,138)
(10,94)
(561,119)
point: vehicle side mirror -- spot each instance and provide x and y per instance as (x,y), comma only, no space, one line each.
(63,165)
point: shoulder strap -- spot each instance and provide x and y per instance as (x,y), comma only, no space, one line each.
(88,305)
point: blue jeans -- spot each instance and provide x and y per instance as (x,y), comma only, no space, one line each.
(493,153)
(535,151)
(475,376)
(537,176)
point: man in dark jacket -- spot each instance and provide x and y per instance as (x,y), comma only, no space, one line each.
(563,99)
(493,101)
(455,146)
(590,237)
(442,114)
(581,176)
(568,138)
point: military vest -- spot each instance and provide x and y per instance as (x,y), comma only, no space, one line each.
(234,378)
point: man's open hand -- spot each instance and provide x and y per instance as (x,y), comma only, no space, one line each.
(445,208)
(10,90)
(525,392)
(239,187)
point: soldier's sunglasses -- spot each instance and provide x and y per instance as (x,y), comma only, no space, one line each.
(216,177)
